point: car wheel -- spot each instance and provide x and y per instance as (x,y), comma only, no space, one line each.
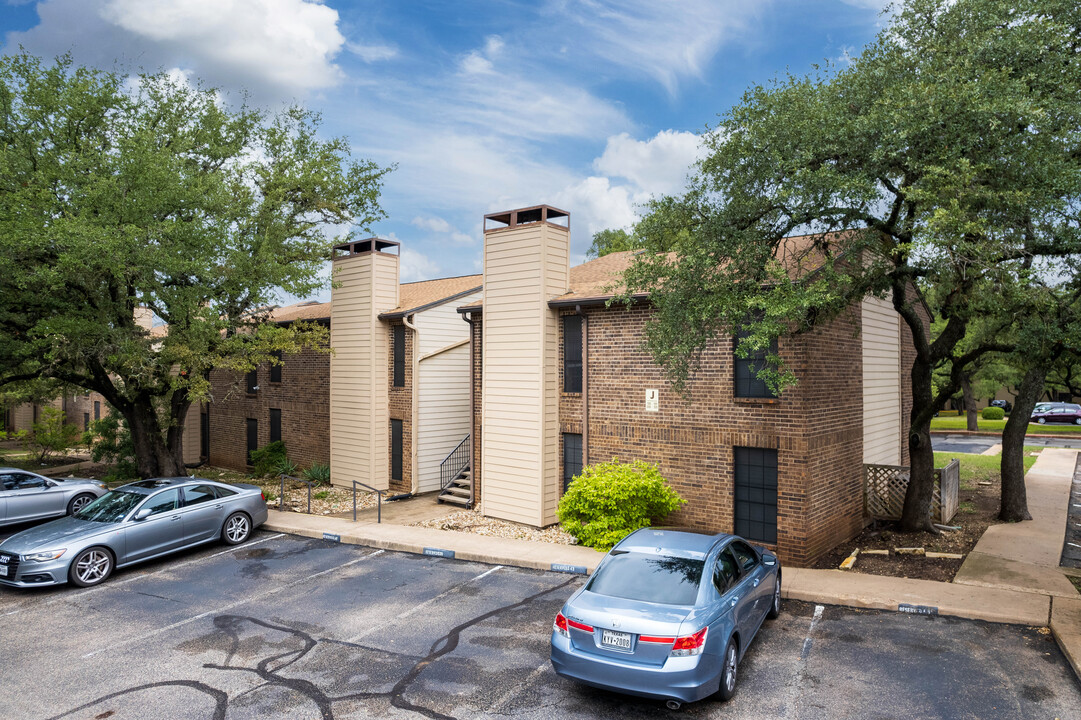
(78,502)
(1077,421)
(1042,420)
(237,529)
(775,608)
(91,567)
(729,670)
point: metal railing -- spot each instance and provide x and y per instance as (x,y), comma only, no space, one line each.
(453,464)
(379,501)
(281,495)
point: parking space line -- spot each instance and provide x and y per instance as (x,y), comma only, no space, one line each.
(795,686)
(426,603)
(230,606)
(497,706)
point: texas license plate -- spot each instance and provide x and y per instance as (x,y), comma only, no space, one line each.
(3,570)
(620,640)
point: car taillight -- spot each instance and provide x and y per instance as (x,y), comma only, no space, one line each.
(560,625)
(690,645)
(659,640)
(580,626)
(262,496)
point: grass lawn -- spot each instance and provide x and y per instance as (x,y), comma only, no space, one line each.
(960,423)
(982,468)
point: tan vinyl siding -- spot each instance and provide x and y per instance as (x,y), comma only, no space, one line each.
(359,425)
(523,268)
(190,438)
(882,420)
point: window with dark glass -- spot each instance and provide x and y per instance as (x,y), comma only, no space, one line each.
(204,435)
(395,449)
(251,382)
(275,424)
(572,353)
(86,421)
(276,367)
(97,410)
(756,494)
(198,494)
(399,356)
(649,578)
(572,458)
(748,384)
(253,437)
(725,572)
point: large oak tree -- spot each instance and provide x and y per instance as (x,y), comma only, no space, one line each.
(147,195)
(946,155)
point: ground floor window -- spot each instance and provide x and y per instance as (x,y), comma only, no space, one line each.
(97,410)
(572,458)
(86,421)
(396,450)
(204,434)
(253,437)
(275,424)
(756,493)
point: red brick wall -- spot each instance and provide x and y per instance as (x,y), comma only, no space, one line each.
(401,408)
(75,406)
(303,396)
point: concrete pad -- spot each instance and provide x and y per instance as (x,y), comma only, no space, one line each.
(992,571)
(1066,628)
(466,546)
(1027,542)
(993,450)
(886,593)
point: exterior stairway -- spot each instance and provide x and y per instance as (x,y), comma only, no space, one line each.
(456,476)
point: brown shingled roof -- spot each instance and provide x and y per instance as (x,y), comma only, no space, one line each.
(301,311)
(416,295)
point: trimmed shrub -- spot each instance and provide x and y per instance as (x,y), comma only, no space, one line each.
(318,473)
(110,442)
(993,413)
(265,460)
(50,435)
(610,500)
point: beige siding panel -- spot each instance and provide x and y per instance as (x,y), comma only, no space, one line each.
(882,420)
(359,428)
(190,438)
(442,325)
(523,268)
(443,410)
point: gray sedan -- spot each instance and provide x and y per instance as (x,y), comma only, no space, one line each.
(135,522)
(26,496)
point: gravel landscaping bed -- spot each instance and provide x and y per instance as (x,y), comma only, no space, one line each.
(473,521)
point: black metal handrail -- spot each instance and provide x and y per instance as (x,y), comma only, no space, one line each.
(453,464)
(379,501)
(281,496)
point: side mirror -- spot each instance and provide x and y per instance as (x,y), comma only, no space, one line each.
(767,561)
(143,514)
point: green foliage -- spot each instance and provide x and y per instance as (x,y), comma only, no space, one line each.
(993,413)
(150,195)
(610,241)
(110,442)
(50,434)
(266,460)
(318,473)
(321,494)
(609,500)
(286,467)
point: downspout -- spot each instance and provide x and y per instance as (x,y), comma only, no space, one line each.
(585,384)
(413,444)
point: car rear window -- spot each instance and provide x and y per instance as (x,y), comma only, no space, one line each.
(649,578)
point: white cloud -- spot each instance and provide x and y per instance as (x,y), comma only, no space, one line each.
(658,166)
(415,266)
(868,4)
(435,224)
(596,204)
(460,238)
(656,38)
(263,45)
(372,53)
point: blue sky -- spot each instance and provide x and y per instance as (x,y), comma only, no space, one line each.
(589,105)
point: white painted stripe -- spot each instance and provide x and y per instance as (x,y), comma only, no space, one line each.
(426,603)
(497,707)
(807,642)
(230,606)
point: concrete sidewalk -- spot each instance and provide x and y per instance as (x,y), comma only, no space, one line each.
(1010,577)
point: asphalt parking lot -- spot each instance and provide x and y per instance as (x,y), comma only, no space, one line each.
(978,443)
(288,627)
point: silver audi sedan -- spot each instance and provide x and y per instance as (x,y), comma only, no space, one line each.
(26,496)
(136,522)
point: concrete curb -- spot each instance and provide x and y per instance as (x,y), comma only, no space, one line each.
(1066,629)
(991,433)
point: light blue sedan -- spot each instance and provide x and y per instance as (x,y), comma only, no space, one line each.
(668,614)
(136,522)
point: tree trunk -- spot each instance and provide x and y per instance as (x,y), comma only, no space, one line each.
(969,403)
(916,513)
(152,456)
(1013,505)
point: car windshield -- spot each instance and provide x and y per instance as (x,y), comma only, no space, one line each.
(111,507)
(649,578)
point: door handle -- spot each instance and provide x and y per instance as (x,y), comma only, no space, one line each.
(756,581)
(218,507)
(174,518)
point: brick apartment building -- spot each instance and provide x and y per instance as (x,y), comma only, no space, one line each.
(542,378)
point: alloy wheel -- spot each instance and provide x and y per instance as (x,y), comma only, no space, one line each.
(80,502)
(93,567)
(730,668)
(237,528)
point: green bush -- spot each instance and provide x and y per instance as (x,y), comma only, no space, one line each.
(110,442)
(609,500)
(286,467)
(50,434)
(318,473)
(266,459)
(993,413)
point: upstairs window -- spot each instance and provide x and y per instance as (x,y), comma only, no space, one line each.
(399,356)
(276,367)
(572,353)
(251,382)
(748,384)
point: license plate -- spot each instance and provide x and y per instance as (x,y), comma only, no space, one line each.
(620,640)
(3,570)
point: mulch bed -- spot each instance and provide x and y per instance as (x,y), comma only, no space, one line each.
(978,508)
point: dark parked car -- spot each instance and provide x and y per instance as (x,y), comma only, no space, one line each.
(1004,404)
(1058,412)
(26,496)
(135,522)
(668,614)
